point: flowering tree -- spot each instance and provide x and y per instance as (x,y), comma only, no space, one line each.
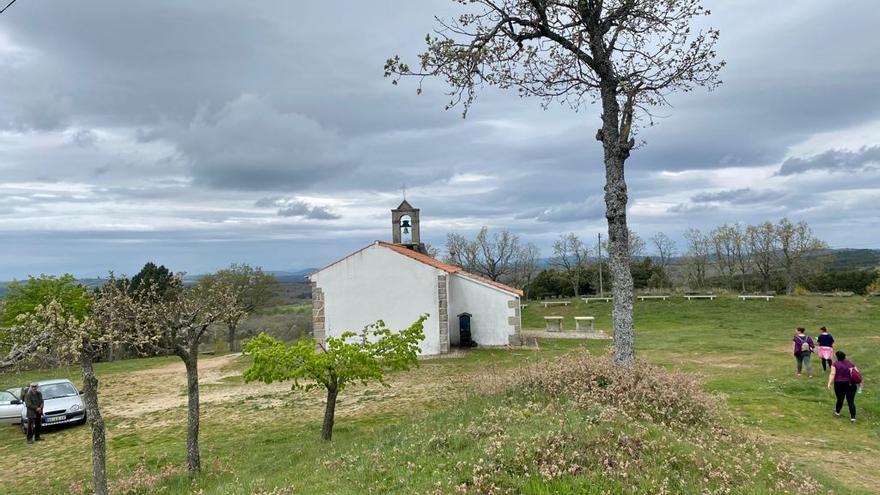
(629,55)
(177,323)
(77,329)
(351,357)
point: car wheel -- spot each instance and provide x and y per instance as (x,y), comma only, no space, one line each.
(24,428)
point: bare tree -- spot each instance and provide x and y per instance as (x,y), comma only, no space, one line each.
(526,267)
(627,54)
(797,247)
(665,248)
(763,243)
(742,253)
(492,256)
(722,243)
(636,246)
(570,256)
(697,257)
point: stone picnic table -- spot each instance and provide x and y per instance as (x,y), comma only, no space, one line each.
(554,323)
(583,320)
(745,297)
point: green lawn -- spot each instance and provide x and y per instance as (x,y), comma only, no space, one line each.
(258,437)
(743,350)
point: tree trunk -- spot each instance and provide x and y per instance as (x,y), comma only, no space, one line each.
(230,335)
(615,154)
(329,413)
(99,447)
(193,456)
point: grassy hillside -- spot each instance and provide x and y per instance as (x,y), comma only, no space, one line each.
(504,421)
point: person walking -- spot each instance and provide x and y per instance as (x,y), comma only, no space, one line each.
(33,401)
(826,347)
(803,347)
(844,386)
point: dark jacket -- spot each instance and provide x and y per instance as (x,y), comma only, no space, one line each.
(33,401)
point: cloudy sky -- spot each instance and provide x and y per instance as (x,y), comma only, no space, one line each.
(197,134)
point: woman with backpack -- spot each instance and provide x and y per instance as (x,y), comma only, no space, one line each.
(803,347)
(826,347)
(846,379)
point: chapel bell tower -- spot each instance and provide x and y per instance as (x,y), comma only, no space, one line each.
(405,227)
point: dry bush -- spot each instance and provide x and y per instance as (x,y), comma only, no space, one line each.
(643,391)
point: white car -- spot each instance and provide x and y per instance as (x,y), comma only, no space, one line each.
(61,404)
(10,408)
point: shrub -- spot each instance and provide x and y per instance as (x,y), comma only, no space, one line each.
(643,390)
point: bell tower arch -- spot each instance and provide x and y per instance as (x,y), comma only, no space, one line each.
(405,227)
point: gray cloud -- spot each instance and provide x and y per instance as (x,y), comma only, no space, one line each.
(289,207)
(834,161)
(742,196)
(174,118)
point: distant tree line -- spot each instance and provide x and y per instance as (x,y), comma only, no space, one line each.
(779,257)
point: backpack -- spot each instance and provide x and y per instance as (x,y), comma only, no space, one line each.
(805,345)
(854,376)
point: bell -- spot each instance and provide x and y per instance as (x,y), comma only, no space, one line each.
(405,224)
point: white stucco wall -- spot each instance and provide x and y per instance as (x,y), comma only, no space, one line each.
(377,283)
(488,307)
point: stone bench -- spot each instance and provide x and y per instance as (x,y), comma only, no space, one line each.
(583,320)
(710,297)
(554,323)
(642,298)
(596,299)
(555,303)
(755,296)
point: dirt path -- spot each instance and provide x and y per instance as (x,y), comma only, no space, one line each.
(156,389)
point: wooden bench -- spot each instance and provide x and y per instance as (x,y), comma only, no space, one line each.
(523,306)
(642,298)
(603,299)
(873,294)
(838,294)
(555,303)
(578,320)
(710,297)
(554,323)
(755,296)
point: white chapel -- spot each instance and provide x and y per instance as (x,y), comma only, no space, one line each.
(397,282)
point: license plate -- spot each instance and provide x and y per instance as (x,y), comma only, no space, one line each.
(56,419)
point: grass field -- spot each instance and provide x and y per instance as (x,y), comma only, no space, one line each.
(258,437)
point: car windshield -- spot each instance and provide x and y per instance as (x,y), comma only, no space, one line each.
(7,397)
(55,390)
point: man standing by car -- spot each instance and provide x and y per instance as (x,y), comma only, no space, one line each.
(33,401)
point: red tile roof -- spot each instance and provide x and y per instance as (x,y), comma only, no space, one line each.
(446,267)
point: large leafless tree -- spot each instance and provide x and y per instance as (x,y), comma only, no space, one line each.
(628,55)
(493,255)
(798,251)
(664,246)
(570,257)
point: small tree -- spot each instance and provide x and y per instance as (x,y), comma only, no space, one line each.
(570,257)
(342,360)
(155,280)
(177,324)
(697,257)
(763,244)
(253,289)
(798,251)
(665,248)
